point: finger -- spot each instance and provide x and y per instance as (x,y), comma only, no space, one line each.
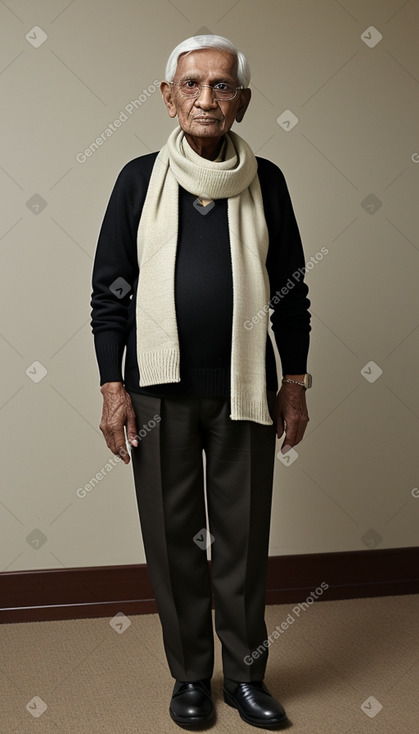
(280,427)
(279,421)
(295,432)
(123,453)
(119,448)
(132,435)
(291,434)
(117,444)
(287,442)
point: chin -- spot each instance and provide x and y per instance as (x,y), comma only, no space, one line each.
(205,131)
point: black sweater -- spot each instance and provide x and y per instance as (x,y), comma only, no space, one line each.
(203,286)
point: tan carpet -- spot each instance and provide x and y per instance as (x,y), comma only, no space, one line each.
(333,657)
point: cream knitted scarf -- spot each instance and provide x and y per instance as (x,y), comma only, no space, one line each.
(235,178)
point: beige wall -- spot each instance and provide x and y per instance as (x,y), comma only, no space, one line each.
(353,484)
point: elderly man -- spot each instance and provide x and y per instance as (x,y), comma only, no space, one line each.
(198,242)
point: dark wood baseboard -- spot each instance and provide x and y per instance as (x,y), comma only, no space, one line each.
(74,593)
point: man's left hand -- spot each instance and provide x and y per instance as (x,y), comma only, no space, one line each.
(290,413)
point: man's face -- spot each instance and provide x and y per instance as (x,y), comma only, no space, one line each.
(204,116)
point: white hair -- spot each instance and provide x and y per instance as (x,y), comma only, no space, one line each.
(209,41)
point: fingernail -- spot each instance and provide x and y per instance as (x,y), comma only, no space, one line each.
(285,449)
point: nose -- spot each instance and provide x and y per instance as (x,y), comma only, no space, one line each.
(205,99)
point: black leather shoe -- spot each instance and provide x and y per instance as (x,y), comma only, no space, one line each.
(191,703)
(255,704)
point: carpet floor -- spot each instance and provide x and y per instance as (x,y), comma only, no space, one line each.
(337,667)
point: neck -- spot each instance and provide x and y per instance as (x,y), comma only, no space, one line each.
(208,148)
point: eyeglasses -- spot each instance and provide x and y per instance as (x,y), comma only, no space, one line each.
(221,91)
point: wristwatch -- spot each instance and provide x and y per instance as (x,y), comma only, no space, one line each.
(307,382)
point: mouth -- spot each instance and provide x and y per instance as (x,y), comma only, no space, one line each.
(206,119)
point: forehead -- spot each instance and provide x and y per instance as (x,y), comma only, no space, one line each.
(207,62)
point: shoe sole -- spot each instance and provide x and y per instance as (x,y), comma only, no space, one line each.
(262,724)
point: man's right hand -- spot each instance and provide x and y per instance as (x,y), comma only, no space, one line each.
(117,413)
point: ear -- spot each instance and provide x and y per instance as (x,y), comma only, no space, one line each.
(167,94)
(245,95)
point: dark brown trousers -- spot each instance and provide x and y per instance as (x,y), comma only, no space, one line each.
(169,480)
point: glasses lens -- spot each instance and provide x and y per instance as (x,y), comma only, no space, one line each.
(224,91)
(190,88)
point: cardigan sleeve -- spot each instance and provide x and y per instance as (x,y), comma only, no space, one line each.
(115,268)
(286,268)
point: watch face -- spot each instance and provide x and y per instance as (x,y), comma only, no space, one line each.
(308,380)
